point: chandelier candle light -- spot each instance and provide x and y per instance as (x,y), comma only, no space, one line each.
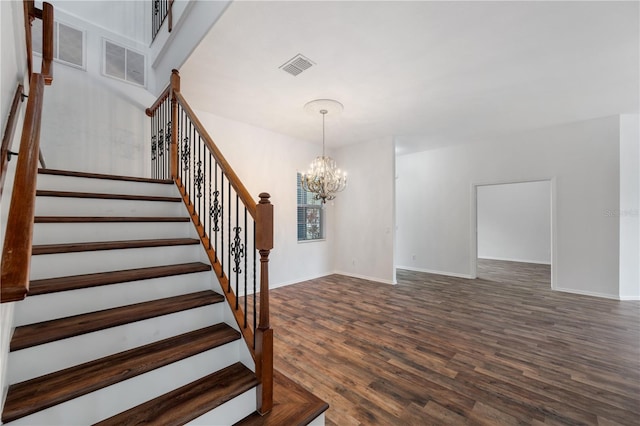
(323,178)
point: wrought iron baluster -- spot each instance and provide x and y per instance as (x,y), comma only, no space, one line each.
(237,249)
(245,267)
(210,181)
(255,309)
(167,135)
(192,159)
(222,226)
(229,233)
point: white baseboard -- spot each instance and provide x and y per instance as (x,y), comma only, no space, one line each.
(365,277)
(299,280)
(629,297)
(588,293)
(431,271)
(537,262)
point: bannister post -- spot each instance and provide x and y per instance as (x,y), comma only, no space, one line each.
(47,42)
(175,87)
(170,17)
(29,16)
(264,333)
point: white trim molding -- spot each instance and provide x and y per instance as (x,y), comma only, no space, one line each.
(299,280)
(431,271)
(587,293)
(365,277)
(537,262)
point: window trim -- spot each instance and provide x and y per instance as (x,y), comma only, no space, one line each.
(320,206)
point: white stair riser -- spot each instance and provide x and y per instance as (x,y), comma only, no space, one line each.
(66,264)
(106,186)
(244,355)
(46,307)
(60,233)
(229,413)
(49,357)
(119,397)
(70,206)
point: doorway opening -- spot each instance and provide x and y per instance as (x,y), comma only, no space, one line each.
(513,230)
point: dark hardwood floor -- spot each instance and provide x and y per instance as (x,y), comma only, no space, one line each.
(501,349)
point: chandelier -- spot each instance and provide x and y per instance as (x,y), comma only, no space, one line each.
(324,178)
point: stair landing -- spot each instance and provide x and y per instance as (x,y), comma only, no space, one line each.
(293,405)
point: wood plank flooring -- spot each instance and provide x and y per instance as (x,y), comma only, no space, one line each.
(501,349)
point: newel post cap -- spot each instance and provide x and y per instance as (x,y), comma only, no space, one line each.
(264,198)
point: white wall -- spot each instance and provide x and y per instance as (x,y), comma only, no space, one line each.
(267,161)
(91,122)
(435,201)
(128,18)
(629,212)
(364,212)
(13,70)
(192,20)
(514,222)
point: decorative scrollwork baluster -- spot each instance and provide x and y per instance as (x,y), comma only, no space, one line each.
(185,154)
(154,148)
(168,134)
(160,143)
(199,179)
(237,250)
(215,211)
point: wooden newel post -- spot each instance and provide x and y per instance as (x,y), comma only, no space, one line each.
(47,42)
(175,87)
(264,333)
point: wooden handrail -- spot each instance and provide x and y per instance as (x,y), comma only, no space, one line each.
(16,254)
(9,130)
(236,183)
(164,95)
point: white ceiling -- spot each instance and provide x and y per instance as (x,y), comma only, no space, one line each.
(425,73)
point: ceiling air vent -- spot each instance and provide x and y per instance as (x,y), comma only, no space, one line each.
(296,65)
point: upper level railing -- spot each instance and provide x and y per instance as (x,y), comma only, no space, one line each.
(232,227)
(161,10)
(16,252)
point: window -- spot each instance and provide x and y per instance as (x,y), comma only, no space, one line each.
(123,63)
(310,215)
(68,43)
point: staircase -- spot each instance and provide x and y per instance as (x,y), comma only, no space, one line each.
(123,323)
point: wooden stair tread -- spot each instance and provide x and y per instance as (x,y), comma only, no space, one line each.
(110,245)
(102,176)
(48,331)
(42,392)
(190,401)
(73,194)
(74,282)
(293,405)
(85,219)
